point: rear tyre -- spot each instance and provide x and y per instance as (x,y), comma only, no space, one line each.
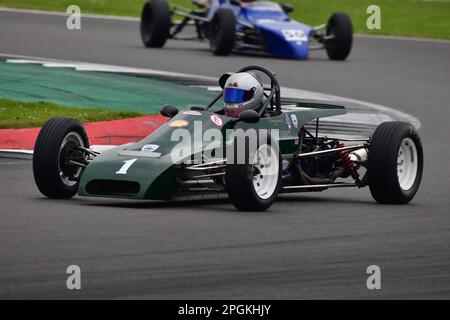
(340,28)
(56,144)
(222,32)
(395,163)
(254,184)
(155,23)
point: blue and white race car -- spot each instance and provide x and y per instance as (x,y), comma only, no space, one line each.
(246,26)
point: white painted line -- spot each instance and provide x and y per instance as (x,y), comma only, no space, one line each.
(17,151)
(15,163)
(86,66)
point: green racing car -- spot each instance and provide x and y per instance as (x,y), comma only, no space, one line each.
(251,157)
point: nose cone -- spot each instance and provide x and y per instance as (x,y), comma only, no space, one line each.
(286,39)
(115,175)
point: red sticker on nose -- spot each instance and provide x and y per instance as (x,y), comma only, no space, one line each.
(216,119)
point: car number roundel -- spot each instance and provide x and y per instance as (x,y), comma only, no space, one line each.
(126,165)
(216,119)
(294,35)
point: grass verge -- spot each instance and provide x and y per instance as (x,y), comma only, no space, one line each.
(17,114)
(422,18)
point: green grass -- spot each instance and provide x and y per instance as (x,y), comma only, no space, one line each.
(399,17)
(114,7)
(17,114)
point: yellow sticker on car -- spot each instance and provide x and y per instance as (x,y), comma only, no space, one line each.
(179,123)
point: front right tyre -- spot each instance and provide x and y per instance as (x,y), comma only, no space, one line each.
(155,23)
(59,141)
(395,163)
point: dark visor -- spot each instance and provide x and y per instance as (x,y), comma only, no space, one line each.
(236,95)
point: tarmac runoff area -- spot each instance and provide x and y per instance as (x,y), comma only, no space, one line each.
(145,90)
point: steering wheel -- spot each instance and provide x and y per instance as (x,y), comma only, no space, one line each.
(273,98)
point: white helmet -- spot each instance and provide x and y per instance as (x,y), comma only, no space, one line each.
(242,91)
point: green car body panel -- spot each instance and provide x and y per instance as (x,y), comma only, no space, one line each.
(153,174)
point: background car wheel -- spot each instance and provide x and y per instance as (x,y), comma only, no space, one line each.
(340,27)
(155,23)
(254,184)
(395,163)
(57,142)
(222,32)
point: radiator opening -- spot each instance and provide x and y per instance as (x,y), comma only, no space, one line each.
(112,188)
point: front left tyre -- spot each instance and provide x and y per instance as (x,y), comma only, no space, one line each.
(155,23)
(253,178)
(59,142)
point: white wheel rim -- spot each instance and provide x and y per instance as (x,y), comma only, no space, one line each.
(71,136)
(407,164)
(266,171)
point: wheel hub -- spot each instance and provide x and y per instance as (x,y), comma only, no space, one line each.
(407,164)
(69,151)
(265,172)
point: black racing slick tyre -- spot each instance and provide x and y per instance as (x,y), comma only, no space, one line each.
(340,29)
(222,32)
(253,182)
(155,23)
(56,144)
(395,163)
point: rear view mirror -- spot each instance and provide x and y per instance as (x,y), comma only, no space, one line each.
(169,110)
(288,8)
(197,108)
(249,116)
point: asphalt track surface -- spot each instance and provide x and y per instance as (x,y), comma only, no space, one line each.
(305,246)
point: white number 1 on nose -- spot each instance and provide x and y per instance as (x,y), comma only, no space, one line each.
(126,166)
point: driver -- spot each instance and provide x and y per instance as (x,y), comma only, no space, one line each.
(207,3)
(242,91)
